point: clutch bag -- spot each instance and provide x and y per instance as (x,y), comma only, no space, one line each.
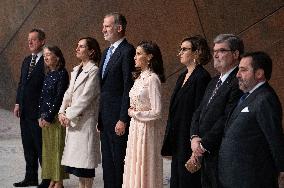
(193,167)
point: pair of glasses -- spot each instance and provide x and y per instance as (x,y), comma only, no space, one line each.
(182,50)
(221,50)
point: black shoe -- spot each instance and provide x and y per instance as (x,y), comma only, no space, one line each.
(44,183)
(26,183)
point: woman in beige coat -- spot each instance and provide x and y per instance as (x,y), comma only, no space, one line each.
(79,114)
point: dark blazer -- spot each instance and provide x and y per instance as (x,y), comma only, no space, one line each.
(115,86)
(208,121)
(184,102)
(252,150)
(29,89)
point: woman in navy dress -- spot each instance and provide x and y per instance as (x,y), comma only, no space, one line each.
(53,134)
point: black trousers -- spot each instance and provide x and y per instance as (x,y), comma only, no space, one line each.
(113,154)
(32,144)
(209,171)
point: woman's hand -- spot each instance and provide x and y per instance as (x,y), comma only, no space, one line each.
(130,111)
(66,122)
(61,118)
(45,123)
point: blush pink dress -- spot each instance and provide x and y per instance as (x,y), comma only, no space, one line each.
(143,162)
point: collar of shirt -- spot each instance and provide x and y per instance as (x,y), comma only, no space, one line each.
(256,86)
(116,44)
(225,76)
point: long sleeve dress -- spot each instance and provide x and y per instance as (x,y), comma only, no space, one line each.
(143,162)
(54,87)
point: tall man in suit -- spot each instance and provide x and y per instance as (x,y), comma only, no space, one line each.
(116,82)
(27,106)
(252,149)
(221,95)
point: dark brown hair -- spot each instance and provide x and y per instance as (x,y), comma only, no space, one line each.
(198,43)
(93,44)
(156,62)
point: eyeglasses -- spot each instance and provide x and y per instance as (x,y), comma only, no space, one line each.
(221,50)
(182,50)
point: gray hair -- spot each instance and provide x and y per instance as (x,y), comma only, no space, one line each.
(119,19)
(234,42)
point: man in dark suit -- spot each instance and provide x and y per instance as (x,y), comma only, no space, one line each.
(252,149)
(27,106)
(221,95)
(116,82)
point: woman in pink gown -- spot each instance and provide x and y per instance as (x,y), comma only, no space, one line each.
(143,162)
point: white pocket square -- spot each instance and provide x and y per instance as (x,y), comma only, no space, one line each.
(246,109)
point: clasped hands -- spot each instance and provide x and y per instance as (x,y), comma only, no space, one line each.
(64,121)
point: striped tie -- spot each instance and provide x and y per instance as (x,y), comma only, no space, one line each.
(32,65)
(219,83)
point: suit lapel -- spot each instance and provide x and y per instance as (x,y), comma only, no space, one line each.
(113,58)
(177,88)
(111,62)
(246,102)
(26,69)
(224,85)
(35,69)
(183,89)
(102,62)
(83,75)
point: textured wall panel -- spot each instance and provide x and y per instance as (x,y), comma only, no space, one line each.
(260,24)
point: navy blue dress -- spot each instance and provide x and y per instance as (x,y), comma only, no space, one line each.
(53,136)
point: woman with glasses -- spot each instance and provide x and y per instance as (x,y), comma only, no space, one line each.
(188,92)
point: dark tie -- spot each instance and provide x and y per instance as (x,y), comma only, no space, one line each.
(32,65)
(218,84)
(109,54)
(244,96)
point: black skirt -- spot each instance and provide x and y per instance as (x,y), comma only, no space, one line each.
(80,172)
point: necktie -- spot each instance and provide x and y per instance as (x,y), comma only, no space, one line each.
(218,84)
(244,96)
(109,53)
(32,65)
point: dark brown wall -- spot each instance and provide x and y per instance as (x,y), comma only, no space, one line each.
(259,23)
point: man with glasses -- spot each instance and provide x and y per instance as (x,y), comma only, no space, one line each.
(221,96)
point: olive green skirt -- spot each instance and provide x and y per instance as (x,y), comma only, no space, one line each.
(53,138)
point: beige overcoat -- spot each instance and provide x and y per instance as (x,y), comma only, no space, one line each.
(80,104)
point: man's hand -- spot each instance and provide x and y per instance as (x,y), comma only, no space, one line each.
(195,147)
(120,128)
(17,111)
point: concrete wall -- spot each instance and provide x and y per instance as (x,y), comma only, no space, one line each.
(258,22)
